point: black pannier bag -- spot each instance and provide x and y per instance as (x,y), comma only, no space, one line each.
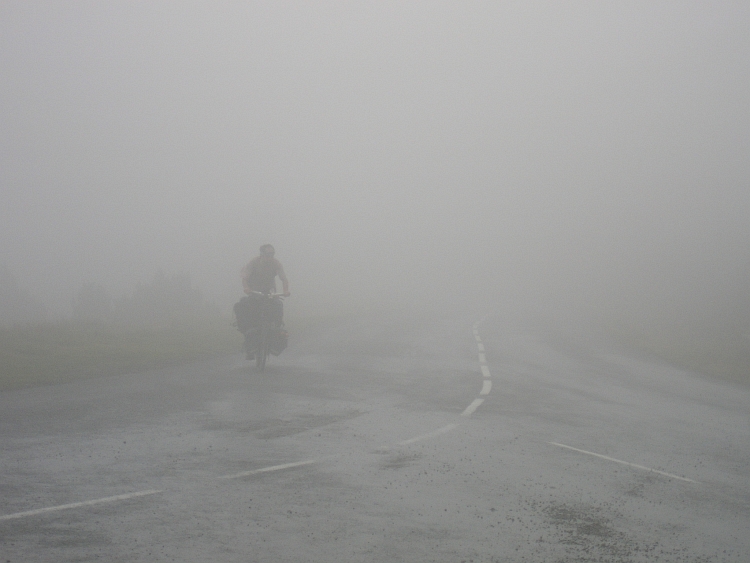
(279,341)
(245,311)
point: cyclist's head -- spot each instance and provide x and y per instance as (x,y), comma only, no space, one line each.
(267,250)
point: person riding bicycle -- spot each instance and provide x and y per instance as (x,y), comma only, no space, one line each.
(259,276)
(260,273)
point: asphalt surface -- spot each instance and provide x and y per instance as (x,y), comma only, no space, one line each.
(430,439)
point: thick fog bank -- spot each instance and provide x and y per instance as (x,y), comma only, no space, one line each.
(581,157)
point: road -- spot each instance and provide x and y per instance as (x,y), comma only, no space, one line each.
(384,439)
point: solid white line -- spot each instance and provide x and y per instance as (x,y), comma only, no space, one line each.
(486,386)
(77,504)
(476,337)
(472,407)
(437,432)
(623,462)
(485,371)
(480,347)
(482,359)
(271,468)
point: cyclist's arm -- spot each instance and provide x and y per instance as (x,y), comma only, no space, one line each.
(284,281)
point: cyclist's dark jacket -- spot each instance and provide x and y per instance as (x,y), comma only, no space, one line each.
(260,274)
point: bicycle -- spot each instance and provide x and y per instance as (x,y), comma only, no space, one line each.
(268,333)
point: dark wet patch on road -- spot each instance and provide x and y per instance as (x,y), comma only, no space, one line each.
(54,531)
(399,460)
(269,429)
(639,488)
(589,533)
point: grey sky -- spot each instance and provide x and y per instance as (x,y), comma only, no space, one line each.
(586,149)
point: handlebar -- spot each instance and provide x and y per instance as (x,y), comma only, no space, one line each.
(269,295)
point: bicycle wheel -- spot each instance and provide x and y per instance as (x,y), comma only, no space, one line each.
(262,353)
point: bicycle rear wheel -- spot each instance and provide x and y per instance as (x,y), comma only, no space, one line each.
(262,354)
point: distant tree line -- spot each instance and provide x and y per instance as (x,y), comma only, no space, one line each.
(17,305)
(167,300)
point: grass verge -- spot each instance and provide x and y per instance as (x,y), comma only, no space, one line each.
(49,354)
(723,354)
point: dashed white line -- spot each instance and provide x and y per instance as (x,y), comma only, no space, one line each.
(486,384)
(623,462)
(269,469)
(429,435)
(472,407)
(78,504)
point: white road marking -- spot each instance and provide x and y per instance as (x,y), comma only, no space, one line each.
(437,432)
(78,504)
(486,386)
(269,469)
(623,462)
(472,407)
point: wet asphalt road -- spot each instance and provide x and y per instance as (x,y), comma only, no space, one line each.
(359,444)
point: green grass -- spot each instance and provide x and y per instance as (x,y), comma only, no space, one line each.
(723,354)
(50,354)
(725,357)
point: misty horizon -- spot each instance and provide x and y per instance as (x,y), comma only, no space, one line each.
(578,155)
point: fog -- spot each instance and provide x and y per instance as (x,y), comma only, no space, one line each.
(580,155)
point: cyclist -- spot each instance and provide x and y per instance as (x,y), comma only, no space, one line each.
(259,275)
